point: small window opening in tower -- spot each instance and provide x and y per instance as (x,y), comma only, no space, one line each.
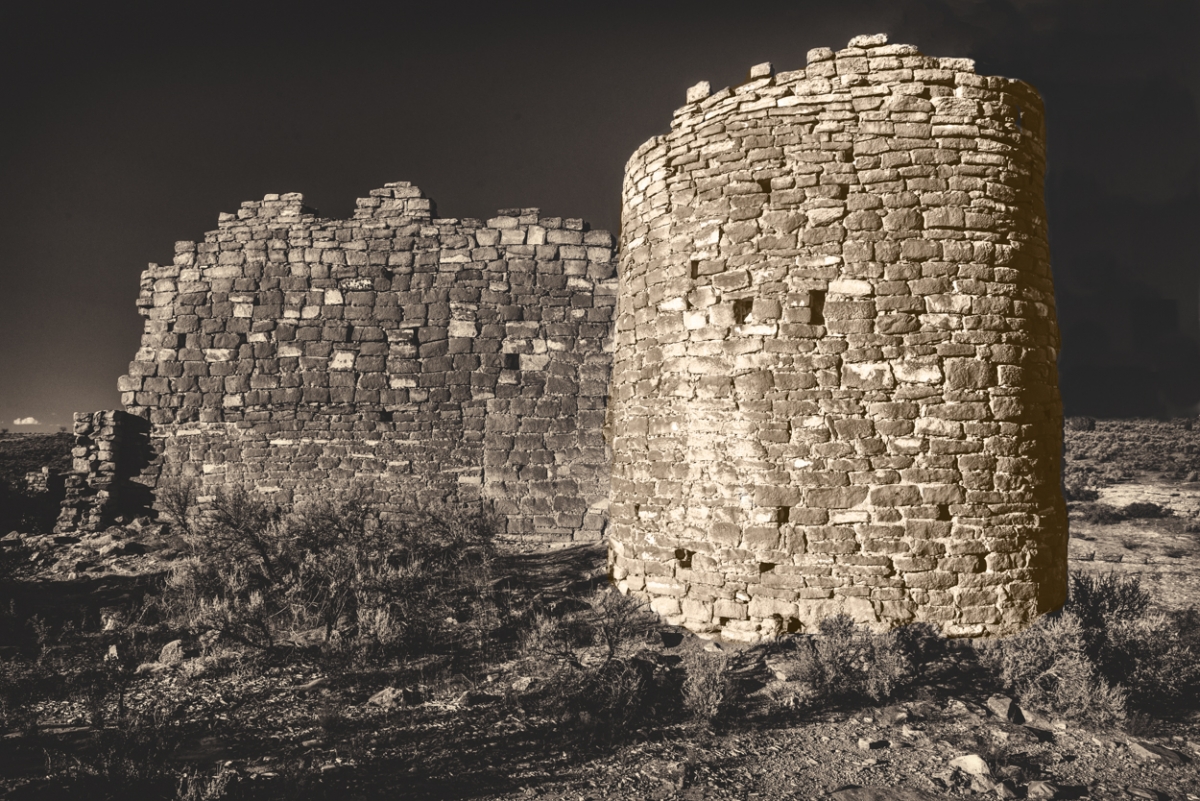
(741,309)
(817,304)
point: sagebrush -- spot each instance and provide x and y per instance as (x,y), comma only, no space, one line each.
(333,573)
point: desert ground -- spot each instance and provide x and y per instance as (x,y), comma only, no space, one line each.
(529,677)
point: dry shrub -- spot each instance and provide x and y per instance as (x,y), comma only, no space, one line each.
(1146,511)
(1048,668)
(334,573)
(1099,601)
(593,665)
(708,687)
(198,786)
(1098,513)
(178,500)
(845,663)
(1077,490)
(1106,653)
(1154,656)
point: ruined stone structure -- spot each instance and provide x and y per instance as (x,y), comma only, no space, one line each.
(834,384)
(111,449)
(299,357)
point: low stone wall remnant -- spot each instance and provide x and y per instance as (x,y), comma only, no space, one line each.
(111,450)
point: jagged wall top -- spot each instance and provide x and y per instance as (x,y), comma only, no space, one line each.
(868,67)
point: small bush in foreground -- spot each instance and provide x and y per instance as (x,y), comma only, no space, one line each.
(1048,668)
(708,689)
(592,664)
(332,573)
(842,662)
(1104,655)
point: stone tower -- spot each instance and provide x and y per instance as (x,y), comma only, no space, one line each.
(834,386)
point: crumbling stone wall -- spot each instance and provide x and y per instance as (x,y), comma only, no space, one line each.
(300,356)
(834,386)
(112,448)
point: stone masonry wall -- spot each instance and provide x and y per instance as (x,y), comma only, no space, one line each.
(111,450)
(834,385)
(299,356)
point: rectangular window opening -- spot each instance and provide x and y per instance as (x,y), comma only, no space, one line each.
(817,301)
(741,309)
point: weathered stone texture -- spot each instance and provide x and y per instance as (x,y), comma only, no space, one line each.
(834,384)
(111,450)
(300,356)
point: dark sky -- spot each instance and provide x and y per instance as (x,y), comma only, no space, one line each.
(129,126)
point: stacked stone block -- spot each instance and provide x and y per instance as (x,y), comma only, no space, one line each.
(834,386)
(299,357)
(111,449)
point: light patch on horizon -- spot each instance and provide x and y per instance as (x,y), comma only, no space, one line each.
(26,421)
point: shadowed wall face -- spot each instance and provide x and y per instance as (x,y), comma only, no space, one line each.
(834,384)
(297,357)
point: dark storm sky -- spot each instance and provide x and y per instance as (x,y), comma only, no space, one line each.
(129,126)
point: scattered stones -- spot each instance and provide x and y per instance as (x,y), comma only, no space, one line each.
(122,549)
(1005,789)
(1005,708)
(523,684)
(1041,789)
(392,697)
(319,683)
(172,653)
(1150,752)
(1147,793)
(971,764)
(880,794)
(982,784)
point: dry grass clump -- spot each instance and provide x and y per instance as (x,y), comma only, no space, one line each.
(333,574)
(1106,654)
(593,666)
(709,691)
(842,663)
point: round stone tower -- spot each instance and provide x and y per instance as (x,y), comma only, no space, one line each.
(834,386)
